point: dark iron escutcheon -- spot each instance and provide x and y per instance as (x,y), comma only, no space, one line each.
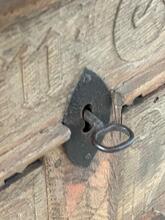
(92,94)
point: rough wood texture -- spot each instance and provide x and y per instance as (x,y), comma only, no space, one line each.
(26,199)
(153,215)
(31,147)
(94,193)
(143,166)
(42,54)
(76,193)
(10,11)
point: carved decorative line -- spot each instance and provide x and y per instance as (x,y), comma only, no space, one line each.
(37,82)
(39,73)
(45,39)
(136,31)
(61,60)
(149,5)
(22,81)
(113,30)
(54,63)
(47,67)
(60,57)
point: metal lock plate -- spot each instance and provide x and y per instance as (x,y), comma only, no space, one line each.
(91,94)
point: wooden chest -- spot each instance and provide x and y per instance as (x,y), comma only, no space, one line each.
(44,46)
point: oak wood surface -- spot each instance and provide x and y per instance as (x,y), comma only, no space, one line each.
(25,199)
(128,185)
(32,147)
(143,165)
(42,57)
(11,11)
(153,215)
(44,46)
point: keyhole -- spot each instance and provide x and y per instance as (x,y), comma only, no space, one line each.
(87,126)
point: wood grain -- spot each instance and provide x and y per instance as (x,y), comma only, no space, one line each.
(25,199)
(31,147)
(44,46)
(11,11)
(45,54)
(138,28)
(83,193)
(143,170)
(153,215)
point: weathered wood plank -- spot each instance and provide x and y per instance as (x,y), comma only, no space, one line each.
(153,215)
(31,147)
(11,11)
(71,190)
(44,55)
(143,165)
(83,193)
(41,58)
(25,199)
